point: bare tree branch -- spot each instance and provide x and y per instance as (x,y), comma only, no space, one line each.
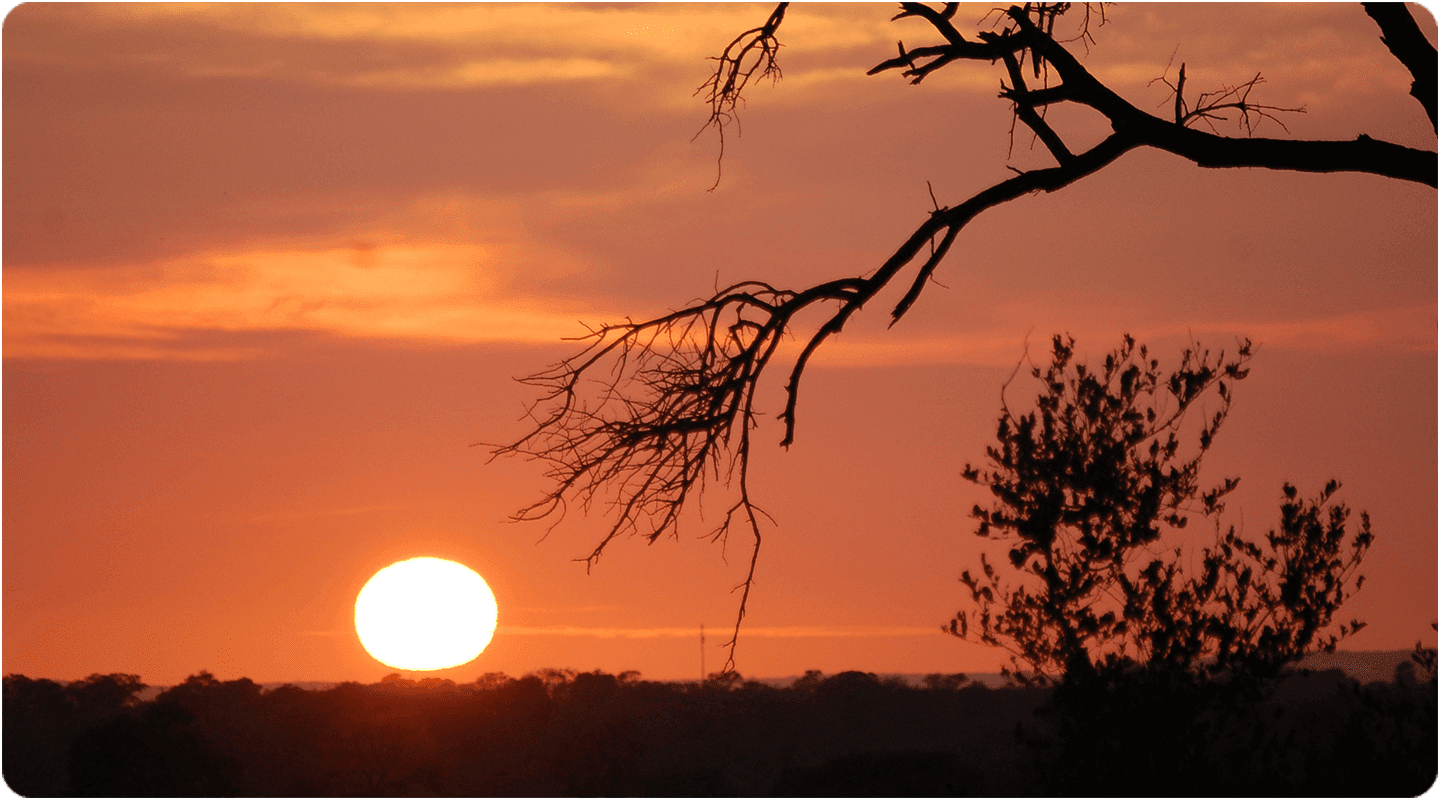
(752,51)
(648,411)
(1218,105)
(1402,35)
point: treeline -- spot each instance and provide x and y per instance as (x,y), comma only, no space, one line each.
(562,733)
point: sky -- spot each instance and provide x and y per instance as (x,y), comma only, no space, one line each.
(270,272)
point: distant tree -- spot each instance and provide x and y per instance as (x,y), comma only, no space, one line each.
(149,752)
(101,696)
(637,421)
(941,682)
(1424,657)
(1086,486)
(809,682)
(203,692)
(42,718)
(39,723)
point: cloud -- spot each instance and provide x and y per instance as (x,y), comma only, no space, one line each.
(408,47)
(565,609)
(421,274)
(408,290)
(785,632)
(462,292)
(376,46)
(1406,329)
(400,259)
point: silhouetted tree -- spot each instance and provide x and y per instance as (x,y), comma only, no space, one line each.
(202,692)
(1086,486)
(149,753)
(42,718)
(101,696)
(941,682)
(1157,665)
(649,410)
(39,725)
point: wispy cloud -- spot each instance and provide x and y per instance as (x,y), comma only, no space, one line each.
(565,609)
(409,47)
(1409,329)
(783,632)
(403,289)
(398,47)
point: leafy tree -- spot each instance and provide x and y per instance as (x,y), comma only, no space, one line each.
(1091,489)
(1087,484)
(649,410)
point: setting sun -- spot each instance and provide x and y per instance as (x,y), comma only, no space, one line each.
(425,614)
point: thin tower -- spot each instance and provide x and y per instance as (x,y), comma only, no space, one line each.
(702,654)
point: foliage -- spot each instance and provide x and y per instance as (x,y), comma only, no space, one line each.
(1087,484)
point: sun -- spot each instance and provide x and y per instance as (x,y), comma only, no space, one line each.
(424,614)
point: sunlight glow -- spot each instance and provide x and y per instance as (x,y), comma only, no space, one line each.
(425,614)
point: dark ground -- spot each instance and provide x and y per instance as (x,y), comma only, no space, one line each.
(567,734)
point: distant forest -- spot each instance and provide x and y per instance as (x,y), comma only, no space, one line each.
(562,733)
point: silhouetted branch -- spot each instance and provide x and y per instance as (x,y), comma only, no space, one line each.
(752,51)
(648,410)
(1217,105)
(1402,35)
(1076,85)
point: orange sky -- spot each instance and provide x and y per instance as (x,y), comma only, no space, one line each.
(270,269)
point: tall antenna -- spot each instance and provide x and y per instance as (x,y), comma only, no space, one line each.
(702,654)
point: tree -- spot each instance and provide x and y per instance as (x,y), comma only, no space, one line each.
(43,718)
(1087,484)
(1157,664)
(149,751)
(648,411)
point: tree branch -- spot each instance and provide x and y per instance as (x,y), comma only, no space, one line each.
(1402,35)
(752,51)
(647,411)
(1043,180)
(1025,110)
(1077,85)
